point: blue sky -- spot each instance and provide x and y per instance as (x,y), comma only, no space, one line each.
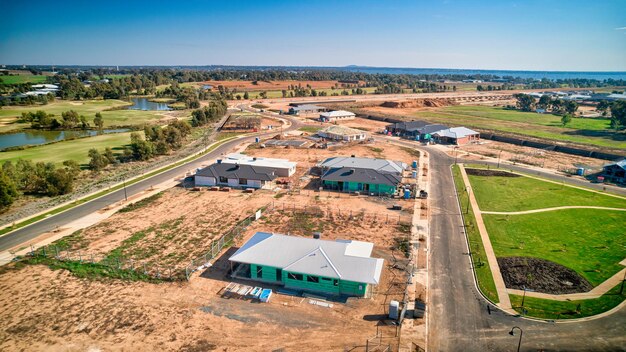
(489,34)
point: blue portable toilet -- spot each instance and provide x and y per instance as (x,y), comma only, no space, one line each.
(414,174)
(407,194)
(257,139)
(580,171)
(417,137)
(414,164)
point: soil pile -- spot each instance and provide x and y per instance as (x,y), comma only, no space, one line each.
(541,275)
(483,172)
(419,103)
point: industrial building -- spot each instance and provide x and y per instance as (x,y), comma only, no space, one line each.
(340,268)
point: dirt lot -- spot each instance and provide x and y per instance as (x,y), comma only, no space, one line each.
(42,309)
(541,275)
(529,156)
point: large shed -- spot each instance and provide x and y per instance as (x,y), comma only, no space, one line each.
(341,267)
(615,172)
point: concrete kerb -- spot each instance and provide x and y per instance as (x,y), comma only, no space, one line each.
(112,187)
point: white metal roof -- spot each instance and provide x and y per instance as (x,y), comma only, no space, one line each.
(382,165)
(456,132)
(343,259)
(242,159)
(337,113)
(340,130)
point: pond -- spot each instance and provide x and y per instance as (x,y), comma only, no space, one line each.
(19,139)
(145,104)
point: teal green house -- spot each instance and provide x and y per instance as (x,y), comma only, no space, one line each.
(341,268)
(352,174)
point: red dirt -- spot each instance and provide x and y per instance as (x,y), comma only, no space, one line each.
(419,103)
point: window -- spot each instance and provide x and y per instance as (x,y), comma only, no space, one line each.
(335,282)
(243,181)
(295,276)
(327,279)
(312,279)
(223,179)
(279,274)
(259,272)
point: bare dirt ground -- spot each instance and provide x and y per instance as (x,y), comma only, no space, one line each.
(273,85)
(526,155)
(541,275)
(42,309)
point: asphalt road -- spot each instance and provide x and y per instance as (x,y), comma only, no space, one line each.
(459,319)
(27,233)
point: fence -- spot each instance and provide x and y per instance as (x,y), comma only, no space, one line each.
(109,265)
(225,240)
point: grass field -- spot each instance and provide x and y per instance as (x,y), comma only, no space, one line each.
(68,150)
(584,131)
(549,309)
(23,79)
(589,241)
(525,193)
(483,273)
(88,108)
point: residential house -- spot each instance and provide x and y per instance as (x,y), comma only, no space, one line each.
(342,133)
(340,268)
(615,172)
(236,175)
(457,135)
(306,109)
(371,176)
(282,167)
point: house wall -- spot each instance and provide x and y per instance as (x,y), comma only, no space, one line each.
(204,181)
(324,284)
(614,173)
(356,187)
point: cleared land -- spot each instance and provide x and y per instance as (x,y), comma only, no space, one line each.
(68,150)
(498,193)
(10,114)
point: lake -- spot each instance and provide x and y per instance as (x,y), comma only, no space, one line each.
(145,104)
(19,139)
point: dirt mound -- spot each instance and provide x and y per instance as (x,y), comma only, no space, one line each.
(419,103)
(541,275)
(483,172)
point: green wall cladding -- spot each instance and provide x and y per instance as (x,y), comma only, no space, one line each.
(355,186)
(324,284)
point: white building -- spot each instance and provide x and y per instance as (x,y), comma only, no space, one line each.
(338,115)
(342,133)
(281,167)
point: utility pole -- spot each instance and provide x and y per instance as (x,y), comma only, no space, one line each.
(500,153)
(125,194)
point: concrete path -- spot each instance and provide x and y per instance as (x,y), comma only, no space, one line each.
(595,293)
(549,209)
(503,295)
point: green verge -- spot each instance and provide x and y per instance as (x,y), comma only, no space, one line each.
(109,190)
(310,129)
(481,267)
(550,309)
(525,193)
(588,241)
(18,79)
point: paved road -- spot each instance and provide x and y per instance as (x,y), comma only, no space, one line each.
(27,233)
(459,320)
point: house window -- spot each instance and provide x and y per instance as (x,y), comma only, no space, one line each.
(243,181)
(259,272)
(314,279)
(295,276)
(223,179)
(327,279)
(335,282)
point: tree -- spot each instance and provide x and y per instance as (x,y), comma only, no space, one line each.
(97,161)
(141,149)
(618,114)
(98,121)
(246,96)
(566,119)
(557,105)
(544,102)
(8,191)
(525,102)
(570,107)
(603,107)
(70,119)
(108,154)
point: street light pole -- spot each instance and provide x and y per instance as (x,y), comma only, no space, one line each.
(512,333)
(500,153)
(467,190)
(125,194)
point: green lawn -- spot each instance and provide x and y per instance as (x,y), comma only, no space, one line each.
(495,193)
(88,108)
(548,126)
(549,309)
(68,150)
(483,273)
(589,241)
(23,79)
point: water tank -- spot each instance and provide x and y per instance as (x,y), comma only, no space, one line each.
(414,164)
(580,171)
(407,194)
(394,310)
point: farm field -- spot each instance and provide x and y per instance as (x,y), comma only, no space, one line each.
(68,150)
(18,79)
(88,108)
(525,193)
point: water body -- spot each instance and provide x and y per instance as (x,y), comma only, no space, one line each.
(552,75)
(19,139)
(145,104)
(207,86)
